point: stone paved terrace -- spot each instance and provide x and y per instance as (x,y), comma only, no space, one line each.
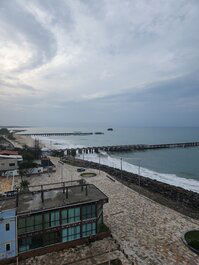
(147,232)
(97,252)
(5,184)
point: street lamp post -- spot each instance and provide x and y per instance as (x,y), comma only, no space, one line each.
(99,163)
(139,169)
(139,161)
(61,170)
(121,167)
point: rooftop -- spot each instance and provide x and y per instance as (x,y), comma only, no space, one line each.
(46,199)
(5,184)
(7,203)
(57,198)
(8,152)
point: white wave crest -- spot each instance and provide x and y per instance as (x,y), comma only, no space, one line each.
(172,179)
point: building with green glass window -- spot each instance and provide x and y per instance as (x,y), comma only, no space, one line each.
(61,216)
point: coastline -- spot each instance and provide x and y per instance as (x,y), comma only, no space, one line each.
(21,140)
(176,198)
(144,231)
(29,141)
(108,159)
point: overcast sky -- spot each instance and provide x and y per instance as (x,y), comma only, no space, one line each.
(117,62)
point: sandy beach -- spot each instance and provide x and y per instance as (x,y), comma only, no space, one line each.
(21,140)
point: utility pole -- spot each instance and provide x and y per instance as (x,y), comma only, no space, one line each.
(99,163)
(139,170)
(139,161)
(48,167)
(61,170)
(121,167)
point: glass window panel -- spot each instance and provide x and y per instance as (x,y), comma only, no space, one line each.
(21,222)
(88,229)
(38,222)
(77,232)
(54,217)
(88,211)
(36,241)
(46,220)
(65,235)
(51,238)
(30,224)
(70,233)
(21,225)
(64,216)
(93,211)
(93,228)
(24,244)
(73,233)
(77,214)
(71,217)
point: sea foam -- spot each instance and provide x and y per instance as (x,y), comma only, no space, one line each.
(172,179)
(105,159)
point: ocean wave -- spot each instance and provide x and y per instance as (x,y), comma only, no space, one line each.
(172,179)
(51,143)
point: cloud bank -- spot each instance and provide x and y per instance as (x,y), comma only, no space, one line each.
(131,62)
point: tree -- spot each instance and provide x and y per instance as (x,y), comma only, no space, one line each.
(24,185)
(25,168)
(4,131)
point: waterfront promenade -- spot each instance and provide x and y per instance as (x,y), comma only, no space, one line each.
(144,231)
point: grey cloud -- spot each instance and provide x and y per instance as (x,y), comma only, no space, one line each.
(136,61)
(21,24)
(16,84)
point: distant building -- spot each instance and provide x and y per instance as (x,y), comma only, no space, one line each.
(18,157)
(8,164)
(8,152)
(7,229)
(57,217)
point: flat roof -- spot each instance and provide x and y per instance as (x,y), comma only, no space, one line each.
(5,184)
(7,203)
(56,198)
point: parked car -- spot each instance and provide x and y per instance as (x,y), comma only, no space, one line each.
(81,169)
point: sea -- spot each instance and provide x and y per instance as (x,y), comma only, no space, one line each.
(175,166)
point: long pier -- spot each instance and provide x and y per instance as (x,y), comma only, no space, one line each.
(60,134)
(126,148)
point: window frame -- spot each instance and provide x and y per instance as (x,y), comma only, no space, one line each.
(89,232)
(7,224)
(71,236)
(12,164)
(88,213)
(27,227)
(8,244)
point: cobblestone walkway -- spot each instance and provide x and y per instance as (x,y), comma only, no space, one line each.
(149,233)
(97,252)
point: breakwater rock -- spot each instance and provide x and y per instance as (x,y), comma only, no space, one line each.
(184,201)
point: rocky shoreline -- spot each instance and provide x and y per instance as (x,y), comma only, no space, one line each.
(179,199)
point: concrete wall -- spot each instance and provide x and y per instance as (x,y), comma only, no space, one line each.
(7,237)
(35,170)
(8,164)
(11,173)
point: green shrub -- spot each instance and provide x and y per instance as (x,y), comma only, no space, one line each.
(192,239)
